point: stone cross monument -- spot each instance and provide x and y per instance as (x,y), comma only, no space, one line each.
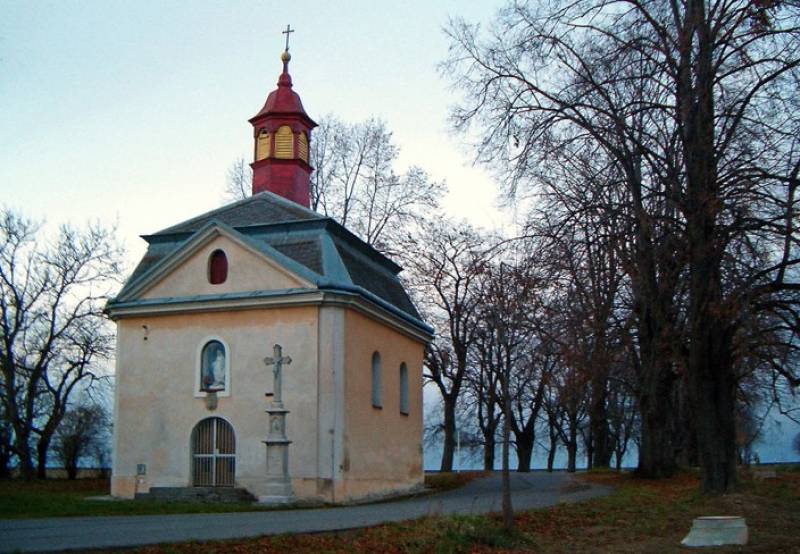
(279,485)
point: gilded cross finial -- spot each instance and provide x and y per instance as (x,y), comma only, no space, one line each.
(286,32)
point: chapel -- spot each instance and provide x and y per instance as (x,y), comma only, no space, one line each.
(263,347)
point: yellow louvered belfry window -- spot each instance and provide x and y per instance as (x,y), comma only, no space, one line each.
(262,145)
(303,147)
(283,143)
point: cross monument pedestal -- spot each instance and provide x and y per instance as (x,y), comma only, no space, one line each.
(278,483)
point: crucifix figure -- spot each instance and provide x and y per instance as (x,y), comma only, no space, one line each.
(286,32)
(276,361)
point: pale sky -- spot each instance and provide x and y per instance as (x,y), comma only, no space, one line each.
(133,111)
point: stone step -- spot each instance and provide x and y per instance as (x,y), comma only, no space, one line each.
(198,494)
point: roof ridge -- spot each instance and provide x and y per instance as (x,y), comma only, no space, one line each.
(209,213)
(301,212)
(286,202)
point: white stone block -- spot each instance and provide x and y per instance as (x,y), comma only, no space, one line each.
(717,531)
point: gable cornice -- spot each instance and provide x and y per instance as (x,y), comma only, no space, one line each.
(354,298)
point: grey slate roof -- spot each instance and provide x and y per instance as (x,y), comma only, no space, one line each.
(335,258)
(365,274)
(259,209)
(306,252)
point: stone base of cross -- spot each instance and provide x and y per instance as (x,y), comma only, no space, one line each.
(278,483)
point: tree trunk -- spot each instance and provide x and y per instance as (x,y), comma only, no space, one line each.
(42,449)
(656,448)
(710,366)
(598,422)
(449,446)
(488,453)
(23,452)
(712,391)
(551,452)
(572,447)
(656,454)
(72,469)
(589,449)
(5,463)
(524,451)
(685,435)
(6,449)
(508,510)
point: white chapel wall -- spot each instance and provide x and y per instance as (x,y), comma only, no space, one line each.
(156,407)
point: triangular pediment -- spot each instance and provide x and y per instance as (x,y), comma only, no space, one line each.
(250,267)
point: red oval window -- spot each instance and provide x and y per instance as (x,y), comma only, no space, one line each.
(217,267)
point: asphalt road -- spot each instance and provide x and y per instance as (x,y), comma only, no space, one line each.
(532,490)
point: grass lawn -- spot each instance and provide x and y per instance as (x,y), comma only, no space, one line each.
(640,517)
(59,498)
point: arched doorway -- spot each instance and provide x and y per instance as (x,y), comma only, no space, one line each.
(213,453)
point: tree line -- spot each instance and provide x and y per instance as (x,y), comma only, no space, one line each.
(659,141)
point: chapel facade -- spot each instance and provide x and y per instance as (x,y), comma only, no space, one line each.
(200,401)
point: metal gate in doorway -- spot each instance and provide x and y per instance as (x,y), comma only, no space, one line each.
(213,453)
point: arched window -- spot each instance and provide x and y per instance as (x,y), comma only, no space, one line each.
(213,367)
(403,389)
(284,139)
(302,145)
(376,381)
(262,145)
(217,267)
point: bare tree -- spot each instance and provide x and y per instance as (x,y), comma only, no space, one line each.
(554,417)
(80,435)
(323,159)
(692,104)
(356,183)
(521,359)
(445,261)
(238,181)
(53,333)
(572,382)
(483,383)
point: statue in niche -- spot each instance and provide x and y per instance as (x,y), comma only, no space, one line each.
(213,372)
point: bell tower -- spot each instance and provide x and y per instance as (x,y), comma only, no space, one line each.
(281,136)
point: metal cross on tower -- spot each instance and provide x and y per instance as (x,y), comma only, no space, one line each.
(286,32)
(276,361)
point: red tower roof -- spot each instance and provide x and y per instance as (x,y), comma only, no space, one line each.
(283,100)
